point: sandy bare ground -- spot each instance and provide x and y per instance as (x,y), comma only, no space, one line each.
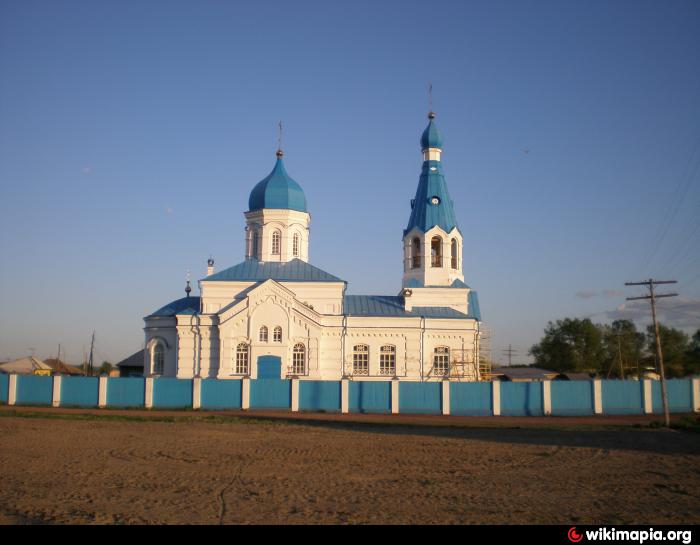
(252,471)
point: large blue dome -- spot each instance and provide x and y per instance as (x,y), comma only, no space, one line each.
(278,190)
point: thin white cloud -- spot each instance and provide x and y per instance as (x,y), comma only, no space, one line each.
(675,312)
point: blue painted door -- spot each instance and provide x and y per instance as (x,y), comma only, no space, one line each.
(269,367)
(268,391)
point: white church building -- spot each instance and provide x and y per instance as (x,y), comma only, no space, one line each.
(276,315)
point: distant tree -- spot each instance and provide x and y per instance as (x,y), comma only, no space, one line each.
(674,347)
(622,341)
(105,368)
(692,363)
(571,345)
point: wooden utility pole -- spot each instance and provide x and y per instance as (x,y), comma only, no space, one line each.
(659,355)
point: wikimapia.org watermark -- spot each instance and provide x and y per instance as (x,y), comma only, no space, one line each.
(639,536)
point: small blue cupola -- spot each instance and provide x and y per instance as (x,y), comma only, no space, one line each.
(431,135)
(278,190)
(432,205)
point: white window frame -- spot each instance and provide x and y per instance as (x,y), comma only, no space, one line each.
(276,243)
(360,360)
(299,359)
(156,354)
(387,360)
(242,361)
(277,334)
(296,246)
(441,360)
(263,334)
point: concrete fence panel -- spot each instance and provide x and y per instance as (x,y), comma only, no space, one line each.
(270,393)
(79,391)
(680,396)
(221,394)
(126,392)
(34,390)
(471,398)
(420,397)
(572,398)
(319,395)
(172,393)
(521,399)
(622,396)
(369,397)
(4,388)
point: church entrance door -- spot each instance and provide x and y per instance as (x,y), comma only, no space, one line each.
(269,391)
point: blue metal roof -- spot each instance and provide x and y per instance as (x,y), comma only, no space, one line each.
(253,270)
(473,306)
(417,283)
(186,305)
(393,306)
(278,190)
(426,214)
(431,137)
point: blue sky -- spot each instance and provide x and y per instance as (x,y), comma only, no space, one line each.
(131,134)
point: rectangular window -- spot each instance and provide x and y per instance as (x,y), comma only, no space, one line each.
(360,360)
(387,361)
(441,360)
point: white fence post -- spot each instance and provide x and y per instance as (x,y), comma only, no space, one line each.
(597,396)
(149,393)
(197,393)
(648,406)
(696,395)
(56,397)
(395,396)
(12,391)
(496,395)
(344,396)
(547,397)
(245,393)
(102,393)
(295,395)
(445,397)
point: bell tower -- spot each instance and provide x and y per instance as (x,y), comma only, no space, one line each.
(432,241)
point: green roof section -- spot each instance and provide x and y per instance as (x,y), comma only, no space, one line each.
(432,204)
(417,283)
(473,306)
(253,270)
(278,190)
(393,306)
(186,305)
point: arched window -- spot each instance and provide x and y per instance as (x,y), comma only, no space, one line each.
(360,359)
(263,334)
(299,359)
(441,360)
(158,358)
(277,334)
(276,242)
(254,243)
(295,245)
(415,253)
(436,251)
(242,359)
(454,254)
(387,360)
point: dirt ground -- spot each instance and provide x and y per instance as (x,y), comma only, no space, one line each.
(330,470)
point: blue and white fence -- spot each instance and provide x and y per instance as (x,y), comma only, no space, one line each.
(555,398)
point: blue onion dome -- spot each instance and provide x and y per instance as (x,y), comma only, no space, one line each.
(431,135)
(278,190)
